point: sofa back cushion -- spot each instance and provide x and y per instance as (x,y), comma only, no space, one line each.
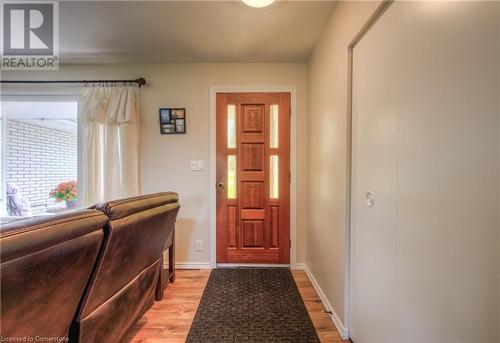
(123,284)
(139,228)
(46,263)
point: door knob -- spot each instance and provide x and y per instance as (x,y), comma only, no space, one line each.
(220,186)
(370,199)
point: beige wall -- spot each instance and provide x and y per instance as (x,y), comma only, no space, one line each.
(327,227)
(165,158)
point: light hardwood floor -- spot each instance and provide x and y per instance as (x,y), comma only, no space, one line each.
(168,321)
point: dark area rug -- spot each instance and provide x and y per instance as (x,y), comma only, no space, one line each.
(251,305)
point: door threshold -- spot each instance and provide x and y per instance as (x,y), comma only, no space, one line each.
(252,265)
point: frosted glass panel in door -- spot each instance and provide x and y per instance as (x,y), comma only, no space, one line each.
(231,176)
(273,126)
(231,126)
(274,176)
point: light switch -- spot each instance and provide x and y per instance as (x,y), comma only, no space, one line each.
(197,165)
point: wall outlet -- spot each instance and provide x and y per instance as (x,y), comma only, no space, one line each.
(199,245)
(197,165)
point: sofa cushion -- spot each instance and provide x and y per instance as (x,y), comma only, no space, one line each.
(46,263)
(117,209)
(139,228)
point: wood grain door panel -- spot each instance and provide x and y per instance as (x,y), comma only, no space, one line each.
(253,223)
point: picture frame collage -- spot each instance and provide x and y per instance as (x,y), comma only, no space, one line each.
(172,121)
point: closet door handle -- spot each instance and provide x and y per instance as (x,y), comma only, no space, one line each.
(370,199)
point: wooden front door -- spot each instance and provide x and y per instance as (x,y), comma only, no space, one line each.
(253,178)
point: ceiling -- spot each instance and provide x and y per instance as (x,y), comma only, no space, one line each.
(189,31)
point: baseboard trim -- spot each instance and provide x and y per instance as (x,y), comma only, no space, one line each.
(344,332)
(192,265)
(299,266)
(251,265)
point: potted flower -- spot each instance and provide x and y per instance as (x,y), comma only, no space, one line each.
(67,192)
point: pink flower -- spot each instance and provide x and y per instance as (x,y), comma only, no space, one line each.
(65,191)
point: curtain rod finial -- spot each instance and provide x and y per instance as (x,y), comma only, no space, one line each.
(141,81)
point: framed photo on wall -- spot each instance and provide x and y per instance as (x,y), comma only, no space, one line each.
(172,120)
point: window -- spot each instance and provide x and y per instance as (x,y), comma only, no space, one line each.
(273,127)
(40,149)
(231,126)
(231,176)
(273,177)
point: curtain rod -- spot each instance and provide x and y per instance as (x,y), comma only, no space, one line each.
(140,81)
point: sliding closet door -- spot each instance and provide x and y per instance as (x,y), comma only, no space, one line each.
(374,180)
(448,168)
(425,178)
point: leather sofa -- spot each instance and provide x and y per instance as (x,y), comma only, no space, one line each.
(89,274)
(123,285)
(46,263)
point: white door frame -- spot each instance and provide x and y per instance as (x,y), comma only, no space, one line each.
(293,162)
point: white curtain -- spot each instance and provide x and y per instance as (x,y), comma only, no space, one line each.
(110,138)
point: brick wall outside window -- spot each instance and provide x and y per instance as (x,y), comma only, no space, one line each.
(37,159)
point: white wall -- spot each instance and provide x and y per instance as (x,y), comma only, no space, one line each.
(165,158)
(327,229)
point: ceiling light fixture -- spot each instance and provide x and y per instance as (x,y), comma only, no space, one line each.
(258,3)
